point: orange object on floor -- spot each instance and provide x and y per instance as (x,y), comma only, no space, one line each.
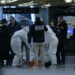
(31,63)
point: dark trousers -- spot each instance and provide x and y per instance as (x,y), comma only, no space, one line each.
(10,59)
(4,55)
(61,52)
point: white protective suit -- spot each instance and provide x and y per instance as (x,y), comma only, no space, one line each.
(51,44)
(16,44)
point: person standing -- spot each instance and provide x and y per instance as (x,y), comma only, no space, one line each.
(37,33)
(61,47)
(13,27)
(4,42)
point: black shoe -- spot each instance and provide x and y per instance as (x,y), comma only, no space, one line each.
(48,64)
(1,65)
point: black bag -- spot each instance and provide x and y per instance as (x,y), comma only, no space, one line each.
(48,64)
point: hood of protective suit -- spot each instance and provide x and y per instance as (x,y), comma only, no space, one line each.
(49,35)
(26,29)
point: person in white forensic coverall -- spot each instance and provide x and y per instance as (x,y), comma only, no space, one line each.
(17,41)
(52,42)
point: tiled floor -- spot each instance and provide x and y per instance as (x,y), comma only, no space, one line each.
(68,69)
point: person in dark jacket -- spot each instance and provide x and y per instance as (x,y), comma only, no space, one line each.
(61,47)
(74,33)
(4,42)
(55,28)
(13,27)
(37,33)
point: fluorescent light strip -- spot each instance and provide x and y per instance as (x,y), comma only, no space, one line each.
(2,1)
(68,1)
(32,15)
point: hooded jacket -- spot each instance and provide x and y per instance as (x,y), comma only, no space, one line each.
(22,34)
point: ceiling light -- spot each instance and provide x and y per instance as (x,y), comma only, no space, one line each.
(31,6)
(68,1)
(9,1)
(20,5)
(46,5)
(28,4)
(2,1)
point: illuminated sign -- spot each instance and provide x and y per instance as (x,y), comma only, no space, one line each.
(20,10)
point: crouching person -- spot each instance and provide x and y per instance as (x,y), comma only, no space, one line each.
(18,40)
(52,42)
